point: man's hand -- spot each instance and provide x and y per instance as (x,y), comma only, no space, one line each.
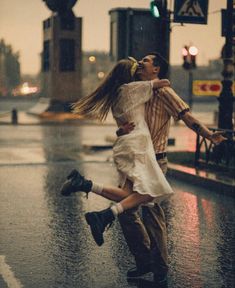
(126,128)
(217,137)
(199,128)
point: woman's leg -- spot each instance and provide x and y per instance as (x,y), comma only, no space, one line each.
(98,221)
(114,193)
(126,197)
(110,192)
(77,183)
(134,200)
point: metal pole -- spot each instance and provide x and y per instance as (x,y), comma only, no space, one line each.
(226,98)
(14,116)
(165,31)
(197,153)
(128,51)
(190,88)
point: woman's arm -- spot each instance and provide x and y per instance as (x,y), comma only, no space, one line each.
(128,127)
(160,83)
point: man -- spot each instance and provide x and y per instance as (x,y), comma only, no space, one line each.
(146,236)
(147,240)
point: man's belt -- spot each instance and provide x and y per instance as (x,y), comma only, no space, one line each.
(160,156)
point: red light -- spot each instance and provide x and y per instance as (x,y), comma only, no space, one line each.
(184,51)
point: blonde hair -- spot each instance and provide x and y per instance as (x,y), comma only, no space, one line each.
(98,103)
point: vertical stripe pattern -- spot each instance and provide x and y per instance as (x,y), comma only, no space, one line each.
(158,112)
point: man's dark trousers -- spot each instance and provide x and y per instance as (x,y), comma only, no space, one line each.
(146,236)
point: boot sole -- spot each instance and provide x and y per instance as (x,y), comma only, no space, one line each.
(65,190)
(92,220)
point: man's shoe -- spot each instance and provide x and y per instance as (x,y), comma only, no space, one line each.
(161,279)
(98,222)
(138,272)
(75,182)
(140,282)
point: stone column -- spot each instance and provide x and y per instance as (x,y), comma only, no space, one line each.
(62,61)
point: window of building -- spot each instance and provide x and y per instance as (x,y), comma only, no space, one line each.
(67,55)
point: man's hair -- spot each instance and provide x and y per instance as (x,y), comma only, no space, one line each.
(160,61)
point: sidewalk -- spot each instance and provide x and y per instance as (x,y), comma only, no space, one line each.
(218,182)
(185,140)
(44,119)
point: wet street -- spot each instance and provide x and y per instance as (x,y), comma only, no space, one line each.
(46,243)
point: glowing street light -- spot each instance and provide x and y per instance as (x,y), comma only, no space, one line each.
(92,59)
(193,50)
(189,57)
(189,54)
(100,75)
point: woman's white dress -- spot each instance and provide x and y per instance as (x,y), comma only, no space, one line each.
(133,153)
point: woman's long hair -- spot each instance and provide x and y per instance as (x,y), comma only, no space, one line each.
(98,103)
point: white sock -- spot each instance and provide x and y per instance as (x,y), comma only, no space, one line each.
(97,188)
(117,209)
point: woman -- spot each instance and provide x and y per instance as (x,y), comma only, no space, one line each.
(141,179)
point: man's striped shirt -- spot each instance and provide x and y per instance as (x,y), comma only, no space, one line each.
(158,111)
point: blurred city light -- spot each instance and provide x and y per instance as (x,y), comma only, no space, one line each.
(25,89)
(184,51)
(193,50)
(92,59)
(100,75)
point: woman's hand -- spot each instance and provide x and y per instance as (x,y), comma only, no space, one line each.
(160,83)
(126,128)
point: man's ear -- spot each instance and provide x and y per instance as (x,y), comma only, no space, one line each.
(156,69)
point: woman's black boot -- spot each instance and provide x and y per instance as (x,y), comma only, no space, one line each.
(98,221)
(75,182)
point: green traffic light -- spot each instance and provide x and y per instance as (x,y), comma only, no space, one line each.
(154,10)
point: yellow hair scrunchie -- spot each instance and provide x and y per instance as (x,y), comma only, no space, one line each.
(134,65)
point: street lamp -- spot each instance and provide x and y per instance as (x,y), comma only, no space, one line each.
(193,51)
(92,59)
(101,75)
(189,54)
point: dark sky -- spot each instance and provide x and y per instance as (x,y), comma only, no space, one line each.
(21,27)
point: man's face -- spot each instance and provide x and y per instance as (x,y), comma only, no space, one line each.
(146,70)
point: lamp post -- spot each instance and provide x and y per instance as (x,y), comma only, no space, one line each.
(92,61)
(226,98)
(189,63)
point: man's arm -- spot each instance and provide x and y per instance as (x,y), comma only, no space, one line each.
(201,129)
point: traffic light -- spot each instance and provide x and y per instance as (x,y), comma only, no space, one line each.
(158,8)
(186,58)
(193,51)
(189,57)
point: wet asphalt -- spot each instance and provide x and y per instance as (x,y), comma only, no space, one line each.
(46,242)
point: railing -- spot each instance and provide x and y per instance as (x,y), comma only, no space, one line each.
(219,155)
